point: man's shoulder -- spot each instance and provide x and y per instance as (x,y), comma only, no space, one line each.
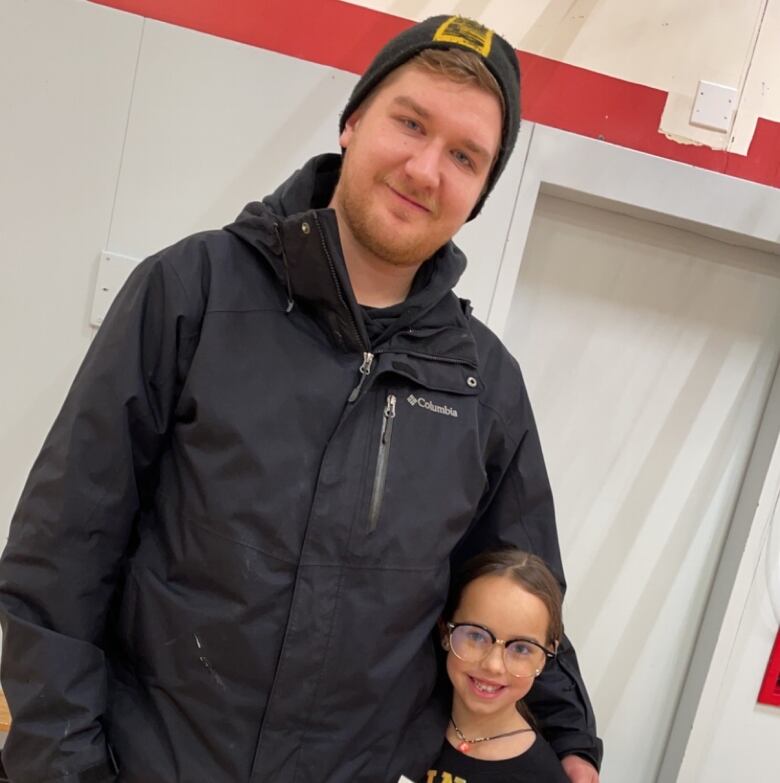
(503,386)
(495,360)
(196,250)
(211,266)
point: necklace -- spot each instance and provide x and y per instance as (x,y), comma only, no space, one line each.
(465,744)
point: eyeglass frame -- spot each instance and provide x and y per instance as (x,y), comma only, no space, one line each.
(549,654)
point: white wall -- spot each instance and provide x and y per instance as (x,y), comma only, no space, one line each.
(65,87)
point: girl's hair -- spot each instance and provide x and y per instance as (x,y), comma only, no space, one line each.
(527,570)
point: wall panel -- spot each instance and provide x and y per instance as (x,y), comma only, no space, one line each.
(65,84)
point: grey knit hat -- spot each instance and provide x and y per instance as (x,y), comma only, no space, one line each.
(452,32)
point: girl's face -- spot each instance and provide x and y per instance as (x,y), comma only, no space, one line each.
(485,689)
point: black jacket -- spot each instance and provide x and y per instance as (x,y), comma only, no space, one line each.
(228,558)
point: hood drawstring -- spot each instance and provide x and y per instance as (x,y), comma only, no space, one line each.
(290,300)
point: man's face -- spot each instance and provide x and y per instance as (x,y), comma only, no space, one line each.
(418,154)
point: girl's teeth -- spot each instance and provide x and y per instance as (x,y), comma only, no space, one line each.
(487,688)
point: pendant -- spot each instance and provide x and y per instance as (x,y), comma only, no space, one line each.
(464,747)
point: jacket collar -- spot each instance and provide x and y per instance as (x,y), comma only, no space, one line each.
(297,234)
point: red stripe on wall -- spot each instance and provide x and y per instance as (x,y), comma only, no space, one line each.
(629,114)
(328,32)
(563,96)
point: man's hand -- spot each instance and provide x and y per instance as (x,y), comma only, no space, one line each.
(579,770)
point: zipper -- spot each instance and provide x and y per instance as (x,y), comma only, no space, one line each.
(365,371)
(380,475)
(339,291)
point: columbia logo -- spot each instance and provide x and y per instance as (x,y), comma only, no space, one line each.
(430,406)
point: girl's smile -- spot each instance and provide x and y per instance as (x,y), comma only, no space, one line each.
(485,689)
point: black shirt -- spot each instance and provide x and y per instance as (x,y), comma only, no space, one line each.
(378,320)
(538,764)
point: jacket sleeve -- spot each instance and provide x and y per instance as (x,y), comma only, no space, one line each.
(72,526)
(518,511)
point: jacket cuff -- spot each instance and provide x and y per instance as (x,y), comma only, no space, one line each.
(578,744)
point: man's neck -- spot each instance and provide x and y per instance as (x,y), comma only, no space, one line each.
(375,281)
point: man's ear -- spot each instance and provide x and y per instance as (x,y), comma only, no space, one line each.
(349,127)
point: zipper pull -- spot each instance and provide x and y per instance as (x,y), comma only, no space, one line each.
(365,370)
(389,416)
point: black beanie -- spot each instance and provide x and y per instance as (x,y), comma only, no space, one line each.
(452,32)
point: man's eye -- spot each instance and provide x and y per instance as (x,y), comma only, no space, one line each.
(463,159)
(411,124)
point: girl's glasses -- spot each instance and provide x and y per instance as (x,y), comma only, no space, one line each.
(473,643)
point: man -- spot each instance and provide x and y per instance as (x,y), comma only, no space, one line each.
(230,555)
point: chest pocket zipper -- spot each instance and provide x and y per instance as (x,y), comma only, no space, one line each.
(382,460)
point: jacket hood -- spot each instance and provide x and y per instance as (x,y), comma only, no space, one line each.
(273,227)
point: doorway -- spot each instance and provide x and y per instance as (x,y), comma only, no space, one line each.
(649,351)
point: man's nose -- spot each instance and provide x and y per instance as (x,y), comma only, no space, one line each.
(424,165)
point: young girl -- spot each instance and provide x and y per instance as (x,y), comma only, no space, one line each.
(500,627)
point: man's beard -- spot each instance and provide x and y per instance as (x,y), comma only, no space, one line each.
(396,248)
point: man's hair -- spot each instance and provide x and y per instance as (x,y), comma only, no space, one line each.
(458,65)
(462,67)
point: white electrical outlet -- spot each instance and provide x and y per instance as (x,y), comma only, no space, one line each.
(714,106)
(112,273)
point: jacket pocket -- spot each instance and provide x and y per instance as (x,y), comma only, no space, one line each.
(382,461)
